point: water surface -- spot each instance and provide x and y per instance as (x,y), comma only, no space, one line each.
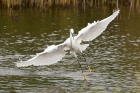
(114,55)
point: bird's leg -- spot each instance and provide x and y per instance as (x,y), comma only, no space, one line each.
(90,70)
(85,78)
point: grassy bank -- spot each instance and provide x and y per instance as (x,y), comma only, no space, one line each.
(17,4)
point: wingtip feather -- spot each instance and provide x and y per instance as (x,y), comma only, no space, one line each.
(22,64)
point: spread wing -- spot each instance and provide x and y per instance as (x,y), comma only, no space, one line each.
(95,29)
(49,56)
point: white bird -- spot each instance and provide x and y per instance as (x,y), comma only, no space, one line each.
(55,53)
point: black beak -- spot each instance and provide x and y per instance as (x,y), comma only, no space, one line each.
(73,36)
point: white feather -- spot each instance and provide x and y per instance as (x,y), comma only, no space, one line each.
(54,53)
(95,29)
(50,56)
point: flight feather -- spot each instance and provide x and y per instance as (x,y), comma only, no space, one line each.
(49,56)
(95,29)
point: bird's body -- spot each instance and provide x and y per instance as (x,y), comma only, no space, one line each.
(54,53)
(73,45)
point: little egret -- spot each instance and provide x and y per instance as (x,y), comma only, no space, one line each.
(54,53)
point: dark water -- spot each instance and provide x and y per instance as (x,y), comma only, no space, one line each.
(114,55)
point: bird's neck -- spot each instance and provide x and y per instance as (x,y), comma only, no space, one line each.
(71,39)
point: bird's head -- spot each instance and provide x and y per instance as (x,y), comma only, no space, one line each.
(72,31)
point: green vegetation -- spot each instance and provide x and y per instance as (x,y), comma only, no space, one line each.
(17,4)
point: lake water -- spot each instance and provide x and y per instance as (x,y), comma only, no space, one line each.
(114,55)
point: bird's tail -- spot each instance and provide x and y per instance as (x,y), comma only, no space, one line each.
(84,46)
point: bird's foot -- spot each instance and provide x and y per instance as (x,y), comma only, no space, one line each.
(90,70)
(85,78)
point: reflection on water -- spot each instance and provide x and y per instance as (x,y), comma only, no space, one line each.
(114,55)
